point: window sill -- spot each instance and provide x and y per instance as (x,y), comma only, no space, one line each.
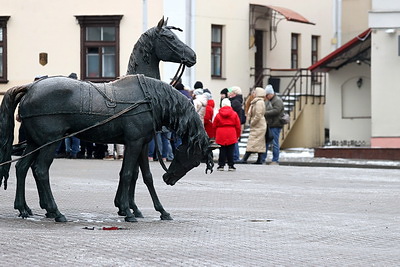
(218,78)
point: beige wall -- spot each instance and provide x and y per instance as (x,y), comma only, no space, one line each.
(354,18)
(51,27)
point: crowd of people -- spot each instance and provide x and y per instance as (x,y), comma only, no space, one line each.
(261,111)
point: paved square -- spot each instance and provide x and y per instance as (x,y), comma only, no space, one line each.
(257,216)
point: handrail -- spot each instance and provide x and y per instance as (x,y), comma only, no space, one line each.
(302,83)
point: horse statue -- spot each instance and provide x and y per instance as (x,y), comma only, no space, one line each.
(156,44)
(126,111)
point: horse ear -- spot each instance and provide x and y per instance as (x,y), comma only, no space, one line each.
(166,22)
(160,23)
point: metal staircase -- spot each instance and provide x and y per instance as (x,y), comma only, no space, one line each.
(301,88)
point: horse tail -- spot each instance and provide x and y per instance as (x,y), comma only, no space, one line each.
(7,109)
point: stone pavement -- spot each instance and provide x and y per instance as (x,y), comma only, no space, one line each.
(257,216)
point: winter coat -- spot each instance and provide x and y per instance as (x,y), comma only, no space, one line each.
(208,116)
(258,126)
(200,103)
(237,105)
(273,111)
(227,126)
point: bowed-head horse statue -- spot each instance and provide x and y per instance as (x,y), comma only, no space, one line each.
(126,111)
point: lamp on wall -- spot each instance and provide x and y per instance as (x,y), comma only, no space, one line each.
(359,82)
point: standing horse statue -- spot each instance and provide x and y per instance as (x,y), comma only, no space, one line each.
(126,111)
(157,44)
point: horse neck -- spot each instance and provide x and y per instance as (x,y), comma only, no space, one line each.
(137,64)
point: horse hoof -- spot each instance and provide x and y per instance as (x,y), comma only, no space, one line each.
(130,219)
(23,214)
(60,218)
(138,214)
(166,217)
(121,213)
(51,215)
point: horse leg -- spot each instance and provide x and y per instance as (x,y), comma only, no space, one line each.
(126,175)
(148,180)
(132,204)
(40,169)
(22,168)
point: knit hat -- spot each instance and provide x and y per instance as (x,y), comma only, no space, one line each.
(235,89)
(198,84)
(198,91)
(260,92)
(269,90)
(224,92)
(225,102)
(180,86)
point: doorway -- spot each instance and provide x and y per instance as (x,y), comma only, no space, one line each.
(259,59)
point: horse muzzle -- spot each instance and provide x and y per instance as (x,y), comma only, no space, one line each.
(170,179)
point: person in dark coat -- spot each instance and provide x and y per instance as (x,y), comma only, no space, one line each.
(227,132)
(236,98)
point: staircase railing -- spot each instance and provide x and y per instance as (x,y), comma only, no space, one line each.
(297,83)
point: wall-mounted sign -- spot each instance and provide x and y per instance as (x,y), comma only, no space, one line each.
(43,59)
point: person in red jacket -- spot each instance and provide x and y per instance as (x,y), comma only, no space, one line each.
(227,132)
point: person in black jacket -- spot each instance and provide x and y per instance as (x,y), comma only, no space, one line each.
(236,98)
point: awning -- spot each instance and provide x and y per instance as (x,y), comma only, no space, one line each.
(286,13)
(357,50)
(290,15)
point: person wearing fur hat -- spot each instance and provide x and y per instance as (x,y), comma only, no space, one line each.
(274,109)
(258,126)
(227,132)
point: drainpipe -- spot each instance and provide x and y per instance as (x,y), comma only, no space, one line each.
(190,36)
(145,16)
(338,23)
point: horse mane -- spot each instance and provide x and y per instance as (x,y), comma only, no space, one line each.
(179,115)
(145,46)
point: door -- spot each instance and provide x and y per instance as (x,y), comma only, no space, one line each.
(259,59)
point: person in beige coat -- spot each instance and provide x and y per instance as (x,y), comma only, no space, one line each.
(258,126)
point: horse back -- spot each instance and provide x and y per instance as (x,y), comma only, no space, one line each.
(62,95)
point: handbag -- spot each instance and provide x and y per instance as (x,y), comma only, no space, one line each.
(285,118)
(268,135)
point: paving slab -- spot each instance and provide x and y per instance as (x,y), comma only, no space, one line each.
(257,216)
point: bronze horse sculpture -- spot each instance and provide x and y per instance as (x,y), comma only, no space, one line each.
(57,106)
(157,44)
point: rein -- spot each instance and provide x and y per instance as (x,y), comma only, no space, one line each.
(178,75)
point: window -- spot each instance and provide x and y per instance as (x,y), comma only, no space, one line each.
(3,49)
(294,59)
(314,48)
(216,51)
(315,77)
(99,47)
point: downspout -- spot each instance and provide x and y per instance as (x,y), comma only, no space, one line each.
(338,23)
(190,36)
(145,16)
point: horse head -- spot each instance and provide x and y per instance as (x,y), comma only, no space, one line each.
(185,159)
(169,48)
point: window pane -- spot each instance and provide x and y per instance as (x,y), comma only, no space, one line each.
(1,61)
(216,61)
(92,59)
(108,34)
(216,35)
(93,33)
(1,34)
(108,62)
(294,42)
